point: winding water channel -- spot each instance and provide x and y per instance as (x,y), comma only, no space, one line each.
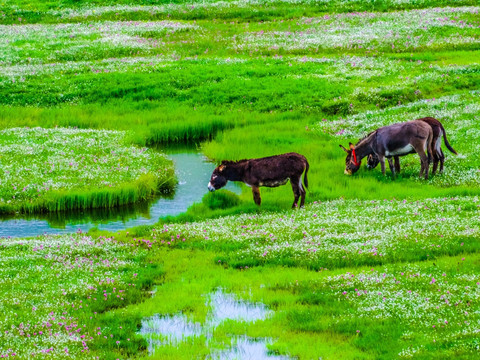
(193,173)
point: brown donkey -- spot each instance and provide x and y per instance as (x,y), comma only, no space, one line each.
(438,156)
(269,171)
(397,139)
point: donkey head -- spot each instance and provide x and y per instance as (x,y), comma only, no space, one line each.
(372,161)
(351,163)
(218,179)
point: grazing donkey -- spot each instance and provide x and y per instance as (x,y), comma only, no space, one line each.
(269,171)
(438,132)
(388,141)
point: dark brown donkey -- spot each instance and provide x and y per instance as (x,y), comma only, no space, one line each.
(388,141)
(438,156)
(269,171)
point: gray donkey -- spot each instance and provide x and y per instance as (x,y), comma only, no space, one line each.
(438,156)
(388,141)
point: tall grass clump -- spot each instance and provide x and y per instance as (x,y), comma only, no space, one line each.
(221,200)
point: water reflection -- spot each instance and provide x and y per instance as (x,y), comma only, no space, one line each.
(193,172)
(228,307)
(161,330)
(245,348)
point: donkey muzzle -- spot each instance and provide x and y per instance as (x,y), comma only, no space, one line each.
(210,187)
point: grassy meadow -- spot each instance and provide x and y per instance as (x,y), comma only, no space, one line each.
(66,169)
(372,268)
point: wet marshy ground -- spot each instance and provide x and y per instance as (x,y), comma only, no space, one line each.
(172,330)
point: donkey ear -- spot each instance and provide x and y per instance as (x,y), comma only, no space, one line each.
(352,147)
(221,168)
(344,148)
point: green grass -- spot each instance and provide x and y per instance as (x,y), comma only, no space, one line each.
(66,169)
(389,280)
(338,233)
(194,85)
(398,279)
(372,268)
(87,279)
(408,306)
(59,11)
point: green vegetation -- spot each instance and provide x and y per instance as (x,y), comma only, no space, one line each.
(395,279)
(283,84)
(57,294)
(64,169)
(372,268)
(364,279)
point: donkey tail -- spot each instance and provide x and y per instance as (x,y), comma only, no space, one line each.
(305,179)
(447,144)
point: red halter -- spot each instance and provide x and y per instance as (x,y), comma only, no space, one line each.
(355,158)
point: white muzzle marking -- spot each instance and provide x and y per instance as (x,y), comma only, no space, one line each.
(210,187)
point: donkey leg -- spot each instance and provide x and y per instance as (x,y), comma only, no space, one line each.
(435,165)
(397,163)
(439,153)
(303,192)
(420,149)
(431,151)
(422,167)
(256,195)
(382,163)
(436,155)
(427,168)
(442,160)
(425,165)
(423,161)
(392,168)
(436,159)
(296,191)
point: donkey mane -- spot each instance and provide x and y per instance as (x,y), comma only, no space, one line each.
(231,162)
(235,162)
(366,137)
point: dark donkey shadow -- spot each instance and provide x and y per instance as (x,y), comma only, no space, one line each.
(269,171)
(438,156)
(393,140)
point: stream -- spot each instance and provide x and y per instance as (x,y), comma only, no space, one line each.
(193,173)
